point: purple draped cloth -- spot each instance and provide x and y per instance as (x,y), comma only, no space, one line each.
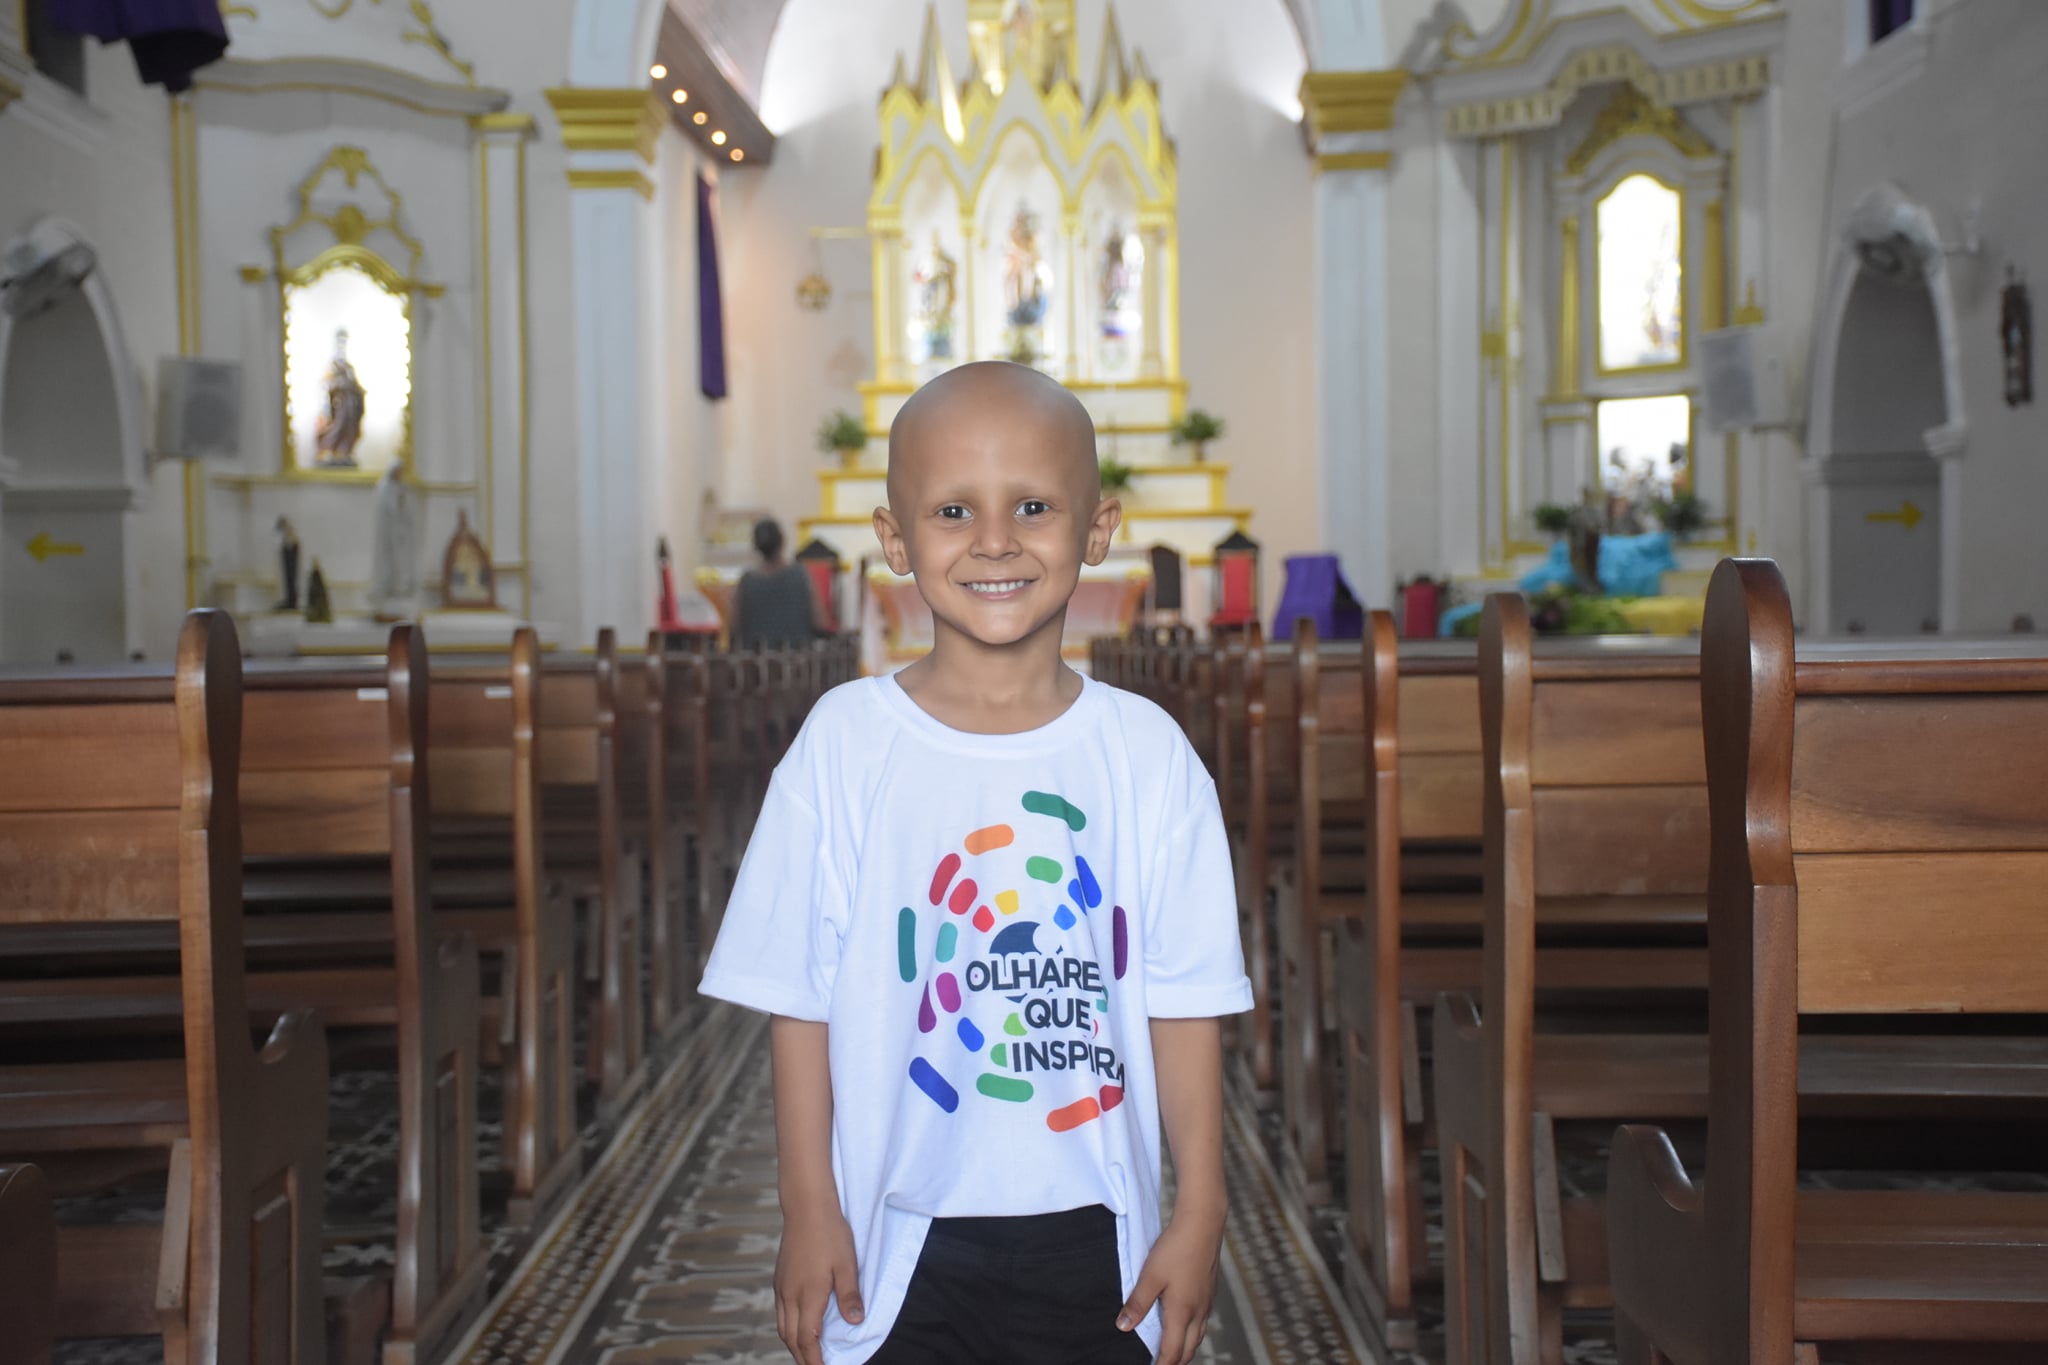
(710,300)
(170,39)
(1315,588)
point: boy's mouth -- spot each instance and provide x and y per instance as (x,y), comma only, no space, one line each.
(1004,587)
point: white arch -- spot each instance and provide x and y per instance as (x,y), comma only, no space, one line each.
(54,234)
(1946,442)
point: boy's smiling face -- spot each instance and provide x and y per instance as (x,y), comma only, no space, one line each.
(994,502)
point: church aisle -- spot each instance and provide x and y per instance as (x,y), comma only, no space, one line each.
(668,1254)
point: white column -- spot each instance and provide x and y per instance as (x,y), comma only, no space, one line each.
(611,136)
(503,472)
(891,304)
(1076,282)
(1352,433)
(966,344)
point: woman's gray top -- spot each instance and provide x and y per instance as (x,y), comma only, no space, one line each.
(774,607)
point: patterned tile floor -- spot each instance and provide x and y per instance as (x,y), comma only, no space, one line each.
(668,1255)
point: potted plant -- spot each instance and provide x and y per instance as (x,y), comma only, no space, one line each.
(1197,429)
(843,432)
(1116,476)
(1552,518)
(1682,514)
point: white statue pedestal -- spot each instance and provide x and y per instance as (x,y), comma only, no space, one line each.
(274,637)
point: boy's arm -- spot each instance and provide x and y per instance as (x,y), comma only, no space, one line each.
(817,1256)
(1180,1274)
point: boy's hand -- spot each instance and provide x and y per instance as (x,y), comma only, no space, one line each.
(816,1261)
(1179,1275)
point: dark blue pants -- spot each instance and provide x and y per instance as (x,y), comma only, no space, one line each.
(1043,1290)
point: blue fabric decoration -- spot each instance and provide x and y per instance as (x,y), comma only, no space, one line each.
(1630,566)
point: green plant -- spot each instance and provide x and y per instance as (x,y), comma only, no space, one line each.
(1552,518)
(842,431)
(1197,428)
(1116,476)
(1682,514)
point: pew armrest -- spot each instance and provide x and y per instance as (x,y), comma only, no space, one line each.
(1657,1243)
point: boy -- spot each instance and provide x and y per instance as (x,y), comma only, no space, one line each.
(990,907)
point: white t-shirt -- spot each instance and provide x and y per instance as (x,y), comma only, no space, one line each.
(987,923)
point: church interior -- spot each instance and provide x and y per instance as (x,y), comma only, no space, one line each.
(1570,455)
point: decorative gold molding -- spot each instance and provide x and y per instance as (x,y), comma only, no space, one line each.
(10,91)
(1714,274)
(430,37)
(1564,366)
(1480,52)
(1691,14)
(1751,313)
(239,11)
(636,181)
(1731,79)
(1532,22)
(185,264)
(1350,101)
(601,119)
(1630,113)
(1353,161)
(507,122)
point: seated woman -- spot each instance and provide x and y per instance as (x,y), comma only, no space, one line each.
(775,604)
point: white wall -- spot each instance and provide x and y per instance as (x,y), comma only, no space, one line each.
(101,164)
(1228,71)
(1969,129)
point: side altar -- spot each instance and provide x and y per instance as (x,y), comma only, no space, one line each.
(1019,215)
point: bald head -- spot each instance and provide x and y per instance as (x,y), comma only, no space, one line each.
(990,402)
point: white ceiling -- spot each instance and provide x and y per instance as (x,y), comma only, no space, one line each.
(738,33)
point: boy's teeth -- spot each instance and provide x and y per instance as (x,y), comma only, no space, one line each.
(994,587)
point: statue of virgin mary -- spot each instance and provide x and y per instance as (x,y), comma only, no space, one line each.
(395,551)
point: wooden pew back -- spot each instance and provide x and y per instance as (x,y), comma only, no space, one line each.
(123,805)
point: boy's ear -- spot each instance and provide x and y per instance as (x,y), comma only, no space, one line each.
(1109,514)
(891,536)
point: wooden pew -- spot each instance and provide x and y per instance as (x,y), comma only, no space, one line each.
(1269,742)
(339,918)
(122,806)
(645,736)
(335,775)
(484,771)
(1879,847)
(583,780)
(1328,829)
(1419,750)
(701,852)
(1595,818)
(28,1267)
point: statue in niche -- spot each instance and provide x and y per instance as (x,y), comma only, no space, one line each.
(938,291)
(318,610)
(338,430)
(287,566)
(1117,278)
(468,582)
(1024,273)
(1026,285)
(395,550)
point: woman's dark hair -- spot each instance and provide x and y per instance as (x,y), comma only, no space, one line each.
(767,538)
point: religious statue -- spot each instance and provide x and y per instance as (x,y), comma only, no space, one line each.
(1024,273)
(337,430)
(938,290)
(318,611)
(467,580)
(1116,285)
(288,565)
(395,549)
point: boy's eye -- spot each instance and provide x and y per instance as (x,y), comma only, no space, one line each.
(953,511)
(1033,507)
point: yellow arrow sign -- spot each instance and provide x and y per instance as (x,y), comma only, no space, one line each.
(1908,515)
(42,547)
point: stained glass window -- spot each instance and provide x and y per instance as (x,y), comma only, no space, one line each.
(1645,446)
(1640,274)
